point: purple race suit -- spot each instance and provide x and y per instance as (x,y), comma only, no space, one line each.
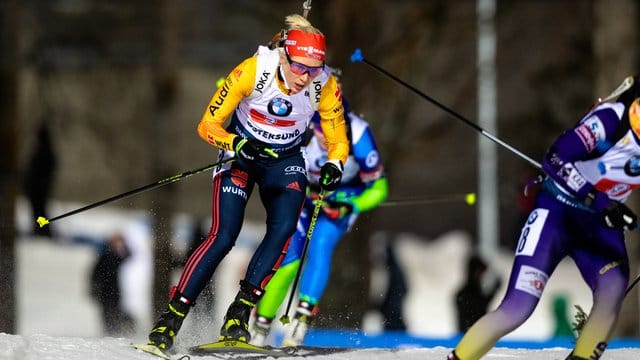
(586,168)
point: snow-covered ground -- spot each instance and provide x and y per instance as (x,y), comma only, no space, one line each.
(58,320)
(46,347)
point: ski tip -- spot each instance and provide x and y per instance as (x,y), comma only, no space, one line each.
(42,221)
(153,350)
(357,56)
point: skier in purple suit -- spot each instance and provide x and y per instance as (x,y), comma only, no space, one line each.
(590,169)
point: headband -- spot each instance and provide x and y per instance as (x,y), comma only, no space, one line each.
(299,43)
(634,116)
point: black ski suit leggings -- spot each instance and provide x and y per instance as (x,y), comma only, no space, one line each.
(282,183)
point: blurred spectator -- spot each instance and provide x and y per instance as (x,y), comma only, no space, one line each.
(388,284)
(561,322)
(473,298)
(39,176)
(137,271)
(105,287)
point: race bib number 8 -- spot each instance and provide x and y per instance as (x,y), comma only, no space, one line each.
(531,231)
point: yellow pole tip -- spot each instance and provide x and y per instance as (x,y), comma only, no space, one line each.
(470,199)
(42,221)
(284,320)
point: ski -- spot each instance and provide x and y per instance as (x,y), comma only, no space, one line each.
(153,350)
(230,349)
(241,350)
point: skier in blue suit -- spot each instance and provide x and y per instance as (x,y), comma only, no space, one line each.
(364,186)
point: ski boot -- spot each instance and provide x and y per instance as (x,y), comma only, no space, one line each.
(260,330)
(236,321)
(164,332)
(297,330)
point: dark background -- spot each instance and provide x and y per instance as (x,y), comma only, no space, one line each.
(122,85)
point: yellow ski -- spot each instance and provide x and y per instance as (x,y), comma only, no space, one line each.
(234,347)
(153,350)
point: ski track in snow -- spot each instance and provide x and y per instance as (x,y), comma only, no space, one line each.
(44,347)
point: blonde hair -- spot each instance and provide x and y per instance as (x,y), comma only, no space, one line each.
(298,22)
(293,22)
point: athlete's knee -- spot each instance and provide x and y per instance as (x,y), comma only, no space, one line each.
(611,290)
(284,229)
(515,310)
(220,242)
(286,273)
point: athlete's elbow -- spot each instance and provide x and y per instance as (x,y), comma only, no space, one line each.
(202,130)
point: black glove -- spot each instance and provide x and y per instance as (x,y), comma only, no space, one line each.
(330,176)
(337,209)
(251,150)
(618,216)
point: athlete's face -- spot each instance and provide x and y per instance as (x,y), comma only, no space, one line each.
(300,70)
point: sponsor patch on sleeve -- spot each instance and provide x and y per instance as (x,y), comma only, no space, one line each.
(531,280)
(572,177)
(590,132)
(575,180)
(373,159)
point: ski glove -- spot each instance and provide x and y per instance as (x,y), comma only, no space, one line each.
(251,150)
(336,209)
(618,216)
(330,175)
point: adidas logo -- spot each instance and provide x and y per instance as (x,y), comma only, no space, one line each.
(294,186)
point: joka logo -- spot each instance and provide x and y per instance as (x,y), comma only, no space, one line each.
(294,186)
(239,178)
(317,87)
(279,107)
(262,81)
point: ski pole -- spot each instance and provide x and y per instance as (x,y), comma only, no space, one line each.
(284,319)
(42,221)
(468,198)
(358,57)
(625,85)
(306,7)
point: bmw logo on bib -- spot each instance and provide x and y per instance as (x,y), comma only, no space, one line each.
(279,107)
